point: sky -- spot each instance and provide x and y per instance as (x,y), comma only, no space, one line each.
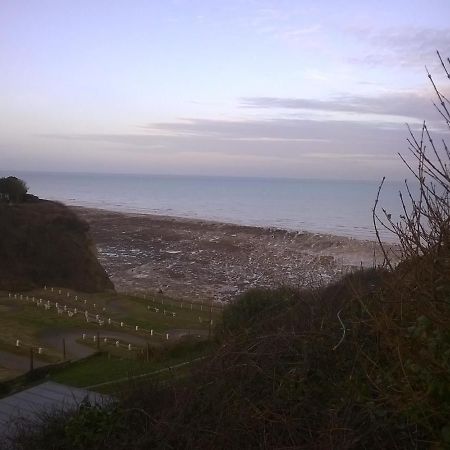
(303,89)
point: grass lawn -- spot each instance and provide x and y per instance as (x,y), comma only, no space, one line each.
(22,319)
(104,367)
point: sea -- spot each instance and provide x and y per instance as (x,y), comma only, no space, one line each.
(336,207)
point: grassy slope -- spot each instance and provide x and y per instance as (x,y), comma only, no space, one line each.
(21,319)
(359,364)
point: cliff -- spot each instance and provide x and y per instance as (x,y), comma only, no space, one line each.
(45,243)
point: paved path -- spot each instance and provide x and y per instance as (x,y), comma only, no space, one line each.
(19,363)
(76,350)
(29,407)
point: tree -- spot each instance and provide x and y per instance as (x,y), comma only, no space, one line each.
(14,188)
(424,228)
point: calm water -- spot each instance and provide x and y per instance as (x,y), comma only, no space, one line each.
(337,207)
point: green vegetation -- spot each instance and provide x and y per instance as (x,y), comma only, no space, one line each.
(13,189)
(58,250)
(104,368)
(36,327)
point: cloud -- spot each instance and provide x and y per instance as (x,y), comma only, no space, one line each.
(298,147)
(283,138)
(406,105)
(406,47)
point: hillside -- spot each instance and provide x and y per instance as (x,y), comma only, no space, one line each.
(45,243)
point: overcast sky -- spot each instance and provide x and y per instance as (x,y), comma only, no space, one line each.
(254,88)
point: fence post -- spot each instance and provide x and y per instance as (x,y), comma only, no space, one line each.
(31,360)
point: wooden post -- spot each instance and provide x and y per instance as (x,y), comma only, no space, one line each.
(64,349)
(210,321)
(31,359)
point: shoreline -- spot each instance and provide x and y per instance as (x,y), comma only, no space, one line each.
(188,219)
(202,259)
(358,235)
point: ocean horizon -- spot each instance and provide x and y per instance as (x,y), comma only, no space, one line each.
(338,207)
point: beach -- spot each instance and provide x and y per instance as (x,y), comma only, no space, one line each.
(212,261)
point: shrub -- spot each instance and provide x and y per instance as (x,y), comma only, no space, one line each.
(14,188)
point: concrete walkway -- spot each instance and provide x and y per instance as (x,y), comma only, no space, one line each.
(32,406)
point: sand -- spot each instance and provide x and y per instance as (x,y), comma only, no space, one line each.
(204,260)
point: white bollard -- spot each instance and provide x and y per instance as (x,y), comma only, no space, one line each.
(105,340)
(59,292)
(52,289)
(83,336)
(9,295)
(121,324)
(129,346)
(85,301)
(117,343)
(151,332)
(18,343)
(109,321)
(137,328)
(65,308)
(40,350)
(173,315)
(75,310)
(167,336)
(56,304)
(95,338)
(86,315)
(97,317)
(68,294)
(94,305)
(76,297)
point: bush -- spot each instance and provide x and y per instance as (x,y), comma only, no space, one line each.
(14,188)
(254,305)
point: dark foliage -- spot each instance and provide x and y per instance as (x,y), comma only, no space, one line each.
(14,188)
(45,243)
